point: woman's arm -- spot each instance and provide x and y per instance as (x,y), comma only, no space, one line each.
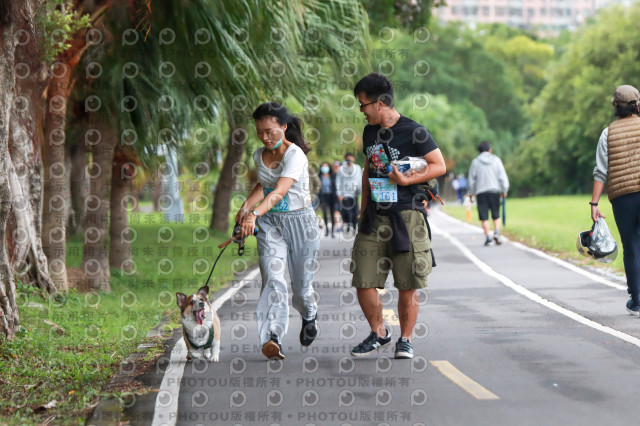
(273,198)
(254,198)
(598,187)
(435,168)
(600,173)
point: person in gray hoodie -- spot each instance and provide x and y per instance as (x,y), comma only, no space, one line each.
(488,181)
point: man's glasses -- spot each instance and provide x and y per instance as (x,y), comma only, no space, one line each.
(361,105)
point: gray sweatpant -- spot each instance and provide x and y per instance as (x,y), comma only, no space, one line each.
(291,238)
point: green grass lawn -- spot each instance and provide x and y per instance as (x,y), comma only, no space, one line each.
(103,329)
(551,224)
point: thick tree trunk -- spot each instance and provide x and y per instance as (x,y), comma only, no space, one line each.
(95,256)
(124,170)
(55,173)
(26,137)
(227,182)
(28,259)
(9,319)
(79,186)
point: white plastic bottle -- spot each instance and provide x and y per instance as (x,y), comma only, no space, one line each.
(409,165)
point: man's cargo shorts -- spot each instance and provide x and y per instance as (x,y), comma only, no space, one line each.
(374,255)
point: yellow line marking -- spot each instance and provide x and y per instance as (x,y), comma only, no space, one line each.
(466,383)
(389,316)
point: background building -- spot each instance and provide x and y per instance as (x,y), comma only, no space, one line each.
(539,15)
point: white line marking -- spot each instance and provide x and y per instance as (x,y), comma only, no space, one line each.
(535,297)
(571,267)
(165,412)
(563,263)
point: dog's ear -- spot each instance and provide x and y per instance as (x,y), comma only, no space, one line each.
(204,290)
(180,298)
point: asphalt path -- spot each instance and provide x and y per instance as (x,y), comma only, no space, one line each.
(505,336)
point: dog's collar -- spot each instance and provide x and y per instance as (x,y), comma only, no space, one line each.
(206,345)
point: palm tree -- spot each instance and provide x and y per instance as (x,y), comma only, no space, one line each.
(306,41)
(206,58)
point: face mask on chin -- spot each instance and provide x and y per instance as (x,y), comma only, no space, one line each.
(277,145)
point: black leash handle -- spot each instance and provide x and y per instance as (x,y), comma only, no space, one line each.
(224,246)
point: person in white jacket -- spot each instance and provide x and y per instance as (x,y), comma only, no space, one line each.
(348,188)
(488,181)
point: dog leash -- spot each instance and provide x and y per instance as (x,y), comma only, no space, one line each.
(224,246)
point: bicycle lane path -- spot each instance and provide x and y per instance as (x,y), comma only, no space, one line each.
(485,353)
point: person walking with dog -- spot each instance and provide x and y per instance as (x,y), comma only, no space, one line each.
(288,231)
(393,234)
(487,182)
(348,188)
(617,165)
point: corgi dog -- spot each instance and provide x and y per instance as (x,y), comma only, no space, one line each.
(200,325)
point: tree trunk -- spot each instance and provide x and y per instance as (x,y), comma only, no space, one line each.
(56,182)
(26,137)
(78,184)
(9,319)
(28,260)
(95,256)
(227,182)
(124,170)
(55,175)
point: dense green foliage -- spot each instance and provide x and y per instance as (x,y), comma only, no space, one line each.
(465,85)
(574,107)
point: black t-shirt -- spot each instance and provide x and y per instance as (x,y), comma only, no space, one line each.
(406,138)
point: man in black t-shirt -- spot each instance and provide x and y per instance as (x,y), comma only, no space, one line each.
(394,234)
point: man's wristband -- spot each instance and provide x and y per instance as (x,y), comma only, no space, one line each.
(591,203)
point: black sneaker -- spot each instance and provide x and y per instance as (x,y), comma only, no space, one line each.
(633,308)
(273,349)
(404,350)
(488,242)
(309,331)
(497,238)
(371,344)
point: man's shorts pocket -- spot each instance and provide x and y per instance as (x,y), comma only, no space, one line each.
(422,260)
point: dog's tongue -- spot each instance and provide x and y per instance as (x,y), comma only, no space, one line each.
(199,316)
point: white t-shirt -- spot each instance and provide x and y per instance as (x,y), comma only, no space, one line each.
(294,165)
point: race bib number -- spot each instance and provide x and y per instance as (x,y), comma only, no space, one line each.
(383,191)
(282,206)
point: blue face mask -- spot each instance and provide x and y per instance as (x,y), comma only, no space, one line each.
(324,169)
(277,145)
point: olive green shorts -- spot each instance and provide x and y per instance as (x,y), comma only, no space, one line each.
(374,256)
